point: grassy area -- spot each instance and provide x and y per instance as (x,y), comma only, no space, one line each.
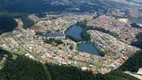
(14,57)
(37,27)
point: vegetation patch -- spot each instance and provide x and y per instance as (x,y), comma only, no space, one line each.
(23,68)
(52,40)
(7,24)
(138,43)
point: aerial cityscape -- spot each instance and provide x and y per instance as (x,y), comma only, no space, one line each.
(71,40)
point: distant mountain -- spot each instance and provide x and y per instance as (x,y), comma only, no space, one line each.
(57,6)
(36,6)
(29,6)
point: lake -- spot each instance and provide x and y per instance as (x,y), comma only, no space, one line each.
(74,31)
(89,48)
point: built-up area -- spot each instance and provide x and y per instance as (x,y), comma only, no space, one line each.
(26,42)
(121,26)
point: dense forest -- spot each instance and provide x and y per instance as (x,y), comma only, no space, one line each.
(32,6)
(27,23)
(85,35)
(51,40)
(133,63)
(7,24)
(72,73)
(21,68)
(138,43)
(18,67)
(40,6)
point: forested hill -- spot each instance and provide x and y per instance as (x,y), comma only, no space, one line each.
(40,6)
(29,6)
(19,67)
(9,9)
(7,24)
(138,43)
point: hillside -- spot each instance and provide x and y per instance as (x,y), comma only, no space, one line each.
(34,44)
(7,24)
(18,67)
(40,6)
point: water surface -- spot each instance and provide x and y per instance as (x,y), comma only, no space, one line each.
(74,31)
(89,48)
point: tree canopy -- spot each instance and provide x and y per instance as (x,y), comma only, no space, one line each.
(7,24)
(23,68)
